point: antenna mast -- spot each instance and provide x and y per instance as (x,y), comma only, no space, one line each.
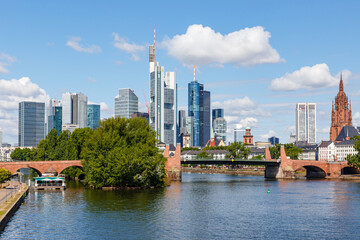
(154,42)
(194,73)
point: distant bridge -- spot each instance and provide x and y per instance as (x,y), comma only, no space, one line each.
(41,166)
(208,161)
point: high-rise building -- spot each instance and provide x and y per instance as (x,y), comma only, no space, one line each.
(292,138)
(306,122)
(74,109)
(93,115)
(126,103)
(163,101)
(217,113)
(31,123)
(180,126)
(237,134)
(341,114)
(0,138)
(199,109)
(188,124)
(141,115)
(273,140)
(219,128)
(54,116)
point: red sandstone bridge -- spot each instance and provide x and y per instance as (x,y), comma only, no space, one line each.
(41,166)
(285,168)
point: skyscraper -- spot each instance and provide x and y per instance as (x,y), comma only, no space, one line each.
(126,103)
(31,123)
(163,100)
(219,124)
(306,122)
(0,138)
(74,109)
(341,114)
(93,115)
(237,134)
(219,128)
(54,116)
(199,109)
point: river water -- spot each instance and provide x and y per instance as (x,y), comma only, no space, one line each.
(202,206)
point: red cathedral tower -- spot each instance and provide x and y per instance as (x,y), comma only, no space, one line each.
(341,112)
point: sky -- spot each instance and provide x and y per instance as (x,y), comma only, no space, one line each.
(257,58)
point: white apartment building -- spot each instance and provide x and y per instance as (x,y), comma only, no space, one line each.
(338,151)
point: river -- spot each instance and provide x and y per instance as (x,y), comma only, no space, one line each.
(202,206)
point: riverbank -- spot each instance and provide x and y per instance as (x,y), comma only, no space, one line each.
(253,172)
(11,204)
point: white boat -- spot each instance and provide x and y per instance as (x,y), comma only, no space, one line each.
(49,183)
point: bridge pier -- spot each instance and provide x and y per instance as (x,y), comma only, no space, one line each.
(173,163)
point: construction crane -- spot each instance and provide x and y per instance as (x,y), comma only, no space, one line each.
(147,106)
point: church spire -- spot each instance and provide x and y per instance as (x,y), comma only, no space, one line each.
(341,85)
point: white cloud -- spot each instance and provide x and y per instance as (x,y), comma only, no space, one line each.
(5,61)
(131,48)
(92,80)
(356,119)
(268,135)
(74,43)
(317,76)
(240,106)
(202,45)
(11,93)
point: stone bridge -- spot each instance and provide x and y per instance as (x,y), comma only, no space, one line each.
(41,166)
(314,169)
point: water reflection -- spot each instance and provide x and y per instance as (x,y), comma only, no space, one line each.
(202,206)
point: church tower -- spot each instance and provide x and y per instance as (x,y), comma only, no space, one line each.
(248,138)
(341,112)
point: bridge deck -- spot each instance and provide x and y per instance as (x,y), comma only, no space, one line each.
(230,162)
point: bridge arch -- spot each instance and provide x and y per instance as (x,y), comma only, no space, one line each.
(314,172)
(349,170)
(61,169)
(29,167)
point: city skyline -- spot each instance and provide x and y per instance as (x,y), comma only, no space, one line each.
(298,61)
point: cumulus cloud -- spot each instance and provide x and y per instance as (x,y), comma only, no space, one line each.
(11,93)
(202,45)
(268,135)
(131,48)
(5,61)
(317,76)
(74,43)
(92,80)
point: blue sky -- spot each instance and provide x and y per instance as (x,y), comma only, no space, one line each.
(258,58)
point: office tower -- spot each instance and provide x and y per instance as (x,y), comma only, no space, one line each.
(0,138)
(180,126)
(341,114)
(54,116)
(163,101)
(306,122)
(292,138)
(74,109)
(219,128)
(237,134)
(31,123)
(188,124)
(217,113)
(126,103)
(199,109)
(93,115)
(273,140)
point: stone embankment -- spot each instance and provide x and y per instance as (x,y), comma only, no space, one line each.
(11,202)
(258,172)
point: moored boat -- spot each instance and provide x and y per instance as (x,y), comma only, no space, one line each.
(49,183)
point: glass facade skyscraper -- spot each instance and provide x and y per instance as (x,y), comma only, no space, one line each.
(219,124)
(306,122)
(163,101)
(55,120)
(74,109)
(31,123)
(199,109)
(93,115)
(126,103)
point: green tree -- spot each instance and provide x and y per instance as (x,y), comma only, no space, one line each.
(290,150)
(4,175)
(203,154)
(354,160)
(25,154)
(238,150)
(258,157)
(122,153)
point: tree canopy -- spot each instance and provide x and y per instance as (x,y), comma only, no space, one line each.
(354,160)
(4,175)
(122,153)
(290,150)
(238,150)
